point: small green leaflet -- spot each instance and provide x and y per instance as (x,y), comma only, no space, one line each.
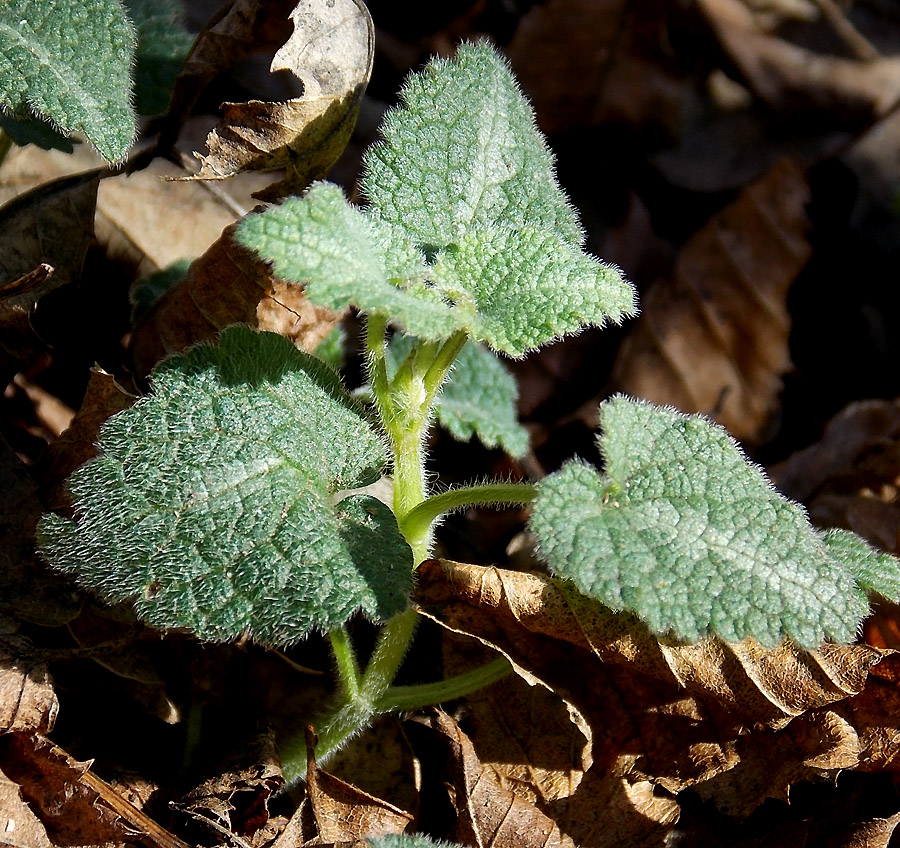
(69,62)
(684,532)
(217,503)
(479,398)
(466,228)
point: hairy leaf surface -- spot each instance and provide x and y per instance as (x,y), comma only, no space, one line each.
(211,505)
(467,228)
(70,63)
(683,531)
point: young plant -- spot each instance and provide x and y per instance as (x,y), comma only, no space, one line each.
(234,500)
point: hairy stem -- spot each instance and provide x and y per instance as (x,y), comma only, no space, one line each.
(419,520)
(425,694)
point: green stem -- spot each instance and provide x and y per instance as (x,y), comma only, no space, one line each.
(345,662)
(418,521)
(426,694)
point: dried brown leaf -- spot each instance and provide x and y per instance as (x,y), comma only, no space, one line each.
(75,806)
(792,79)
(584,62)
(330,51)
(27,700)
(237,797)
(675,715)
(229,284)
(713,338)
(875,833)
(488,814)
(23,829)
(50,225)
(342,812)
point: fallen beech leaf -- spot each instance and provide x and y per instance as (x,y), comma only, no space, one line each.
(850,478)
(584,63)
(761,686)
(330,51)
(342,812)
(871,834)
(791,79)
(72,802)
(676,715)
(229,284)
(526,739)
(27,700)
(488,814)
(714,338)
(23,829)
(53,225)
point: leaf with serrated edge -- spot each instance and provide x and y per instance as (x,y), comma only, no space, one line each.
(463,150)
(479,398)
(684,532)
(505,247)
(873,570)
(70,62)
(211,503)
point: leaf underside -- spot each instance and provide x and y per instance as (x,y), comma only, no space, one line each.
(466,229)
(684,532)
(211,505)
(70,63)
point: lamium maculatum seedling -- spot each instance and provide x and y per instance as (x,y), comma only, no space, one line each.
(233,500)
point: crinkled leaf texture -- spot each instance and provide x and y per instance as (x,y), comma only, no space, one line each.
(466,228)
(69,61)
(213,504)
(683,531)
(479,399)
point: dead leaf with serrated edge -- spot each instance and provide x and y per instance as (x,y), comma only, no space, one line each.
(678,715)
(331,52)
(714,337)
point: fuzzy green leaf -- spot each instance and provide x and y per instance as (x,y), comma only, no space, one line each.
(683,531)
(69,61)
(345,256)
(462,152)
(479,398)
(873,570)
(469,184)
(408,840)
(212,503)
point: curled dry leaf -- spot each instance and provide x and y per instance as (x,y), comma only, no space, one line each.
(676,715)
(229,284)
(330,51)
(237,798)
(714,338)
(27,700)
(21,821)
(791,79)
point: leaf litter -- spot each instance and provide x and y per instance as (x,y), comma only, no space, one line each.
(639,718)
